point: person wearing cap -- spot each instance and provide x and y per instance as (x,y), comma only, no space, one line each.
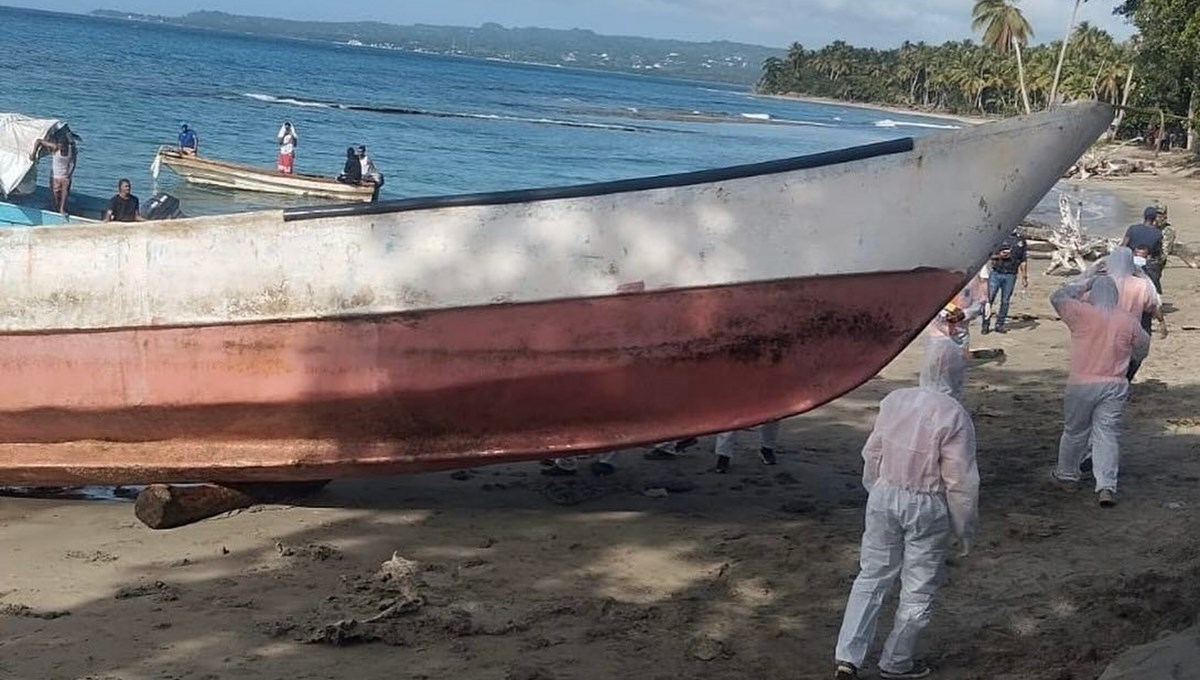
(1146,242)
(1007,262)
(370,173)
(189,141)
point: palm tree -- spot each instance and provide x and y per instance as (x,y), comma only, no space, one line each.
(1004,27)
(1062,53)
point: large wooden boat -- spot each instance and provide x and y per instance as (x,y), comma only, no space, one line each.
(226,175)
(457,331)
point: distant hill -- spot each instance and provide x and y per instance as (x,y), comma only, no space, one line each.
(721,61)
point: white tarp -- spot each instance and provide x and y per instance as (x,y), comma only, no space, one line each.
(18,134)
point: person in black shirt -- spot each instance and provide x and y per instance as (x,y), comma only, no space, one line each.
(352,170)
(1007,262)
(124,207)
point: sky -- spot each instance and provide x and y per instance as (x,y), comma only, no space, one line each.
(776,23)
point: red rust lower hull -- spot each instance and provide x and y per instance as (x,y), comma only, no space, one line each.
(438,390)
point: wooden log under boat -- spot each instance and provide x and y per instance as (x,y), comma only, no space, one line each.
(457,331)
(226,175)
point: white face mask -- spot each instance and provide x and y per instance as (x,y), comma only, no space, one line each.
(1139,260)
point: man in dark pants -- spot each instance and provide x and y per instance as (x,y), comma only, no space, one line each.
(1146,242)
(1007,262)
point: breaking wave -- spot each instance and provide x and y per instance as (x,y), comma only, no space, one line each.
(888,123)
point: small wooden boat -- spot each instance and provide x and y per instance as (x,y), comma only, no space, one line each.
(457,331)
(214,173)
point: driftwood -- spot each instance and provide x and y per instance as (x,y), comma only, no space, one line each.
(166,506)
(1095,165)
(1038,236)
(1066,244)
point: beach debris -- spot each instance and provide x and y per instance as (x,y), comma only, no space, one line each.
(91,557)
(571,492)
(1073,247)
(167,506)
(706,648)
(1027,527)
(27,612)
(1093,164)
(987,353)
(316,552)
(158,591)
(656,492)
(343,633)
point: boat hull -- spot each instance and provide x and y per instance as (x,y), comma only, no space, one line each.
(456,331)
(224,175)
(452,388)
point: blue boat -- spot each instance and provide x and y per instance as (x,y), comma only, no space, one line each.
(22,202)
(28,210)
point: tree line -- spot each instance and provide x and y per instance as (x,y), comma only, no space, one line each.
(1155,74)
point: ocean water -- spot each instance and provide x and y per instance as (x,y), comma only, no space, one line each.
(433,124)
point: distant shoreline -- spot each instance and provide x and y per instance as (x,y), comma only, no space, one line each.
(882,108)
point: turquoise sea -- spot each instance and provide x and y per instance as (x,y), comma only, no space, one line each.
(434,124)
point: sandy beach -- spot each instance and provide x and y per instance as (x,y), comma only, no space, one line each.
(503,573)
(969,120)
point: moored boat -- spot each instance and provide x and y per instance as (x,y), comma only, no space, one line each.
(223,174)
(457,331)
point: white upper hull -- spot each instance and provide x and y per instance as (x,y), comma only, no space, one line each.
(943,204)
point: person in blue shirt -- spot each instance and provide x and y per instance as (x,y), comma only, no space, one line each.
(1146,242)
(189,142)
(1007,262)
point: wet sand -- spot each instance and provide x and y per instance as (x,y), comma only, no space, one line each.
(502,573)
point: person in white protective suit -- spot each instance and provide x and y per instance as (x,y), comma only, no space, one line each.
(768,444)
(1104,338)
(919,467)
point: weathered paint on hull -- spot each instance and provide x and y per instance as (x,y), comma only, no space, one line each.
(450,388)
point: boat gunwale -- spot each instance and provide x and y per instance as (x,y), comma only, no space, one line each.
(675,180)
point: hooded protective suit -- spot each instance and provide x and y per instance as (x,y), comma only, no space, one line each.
(920,470)
(1136,293)
(1104,338)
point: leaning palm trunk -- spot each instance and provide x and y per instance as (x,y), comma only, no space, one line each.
(1116,126)
(1191,127)
(1062,55)
(1021,74)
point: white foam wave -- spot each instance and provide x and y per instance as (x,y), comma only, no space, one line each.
(757,116)
(289,100)
(888,123)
